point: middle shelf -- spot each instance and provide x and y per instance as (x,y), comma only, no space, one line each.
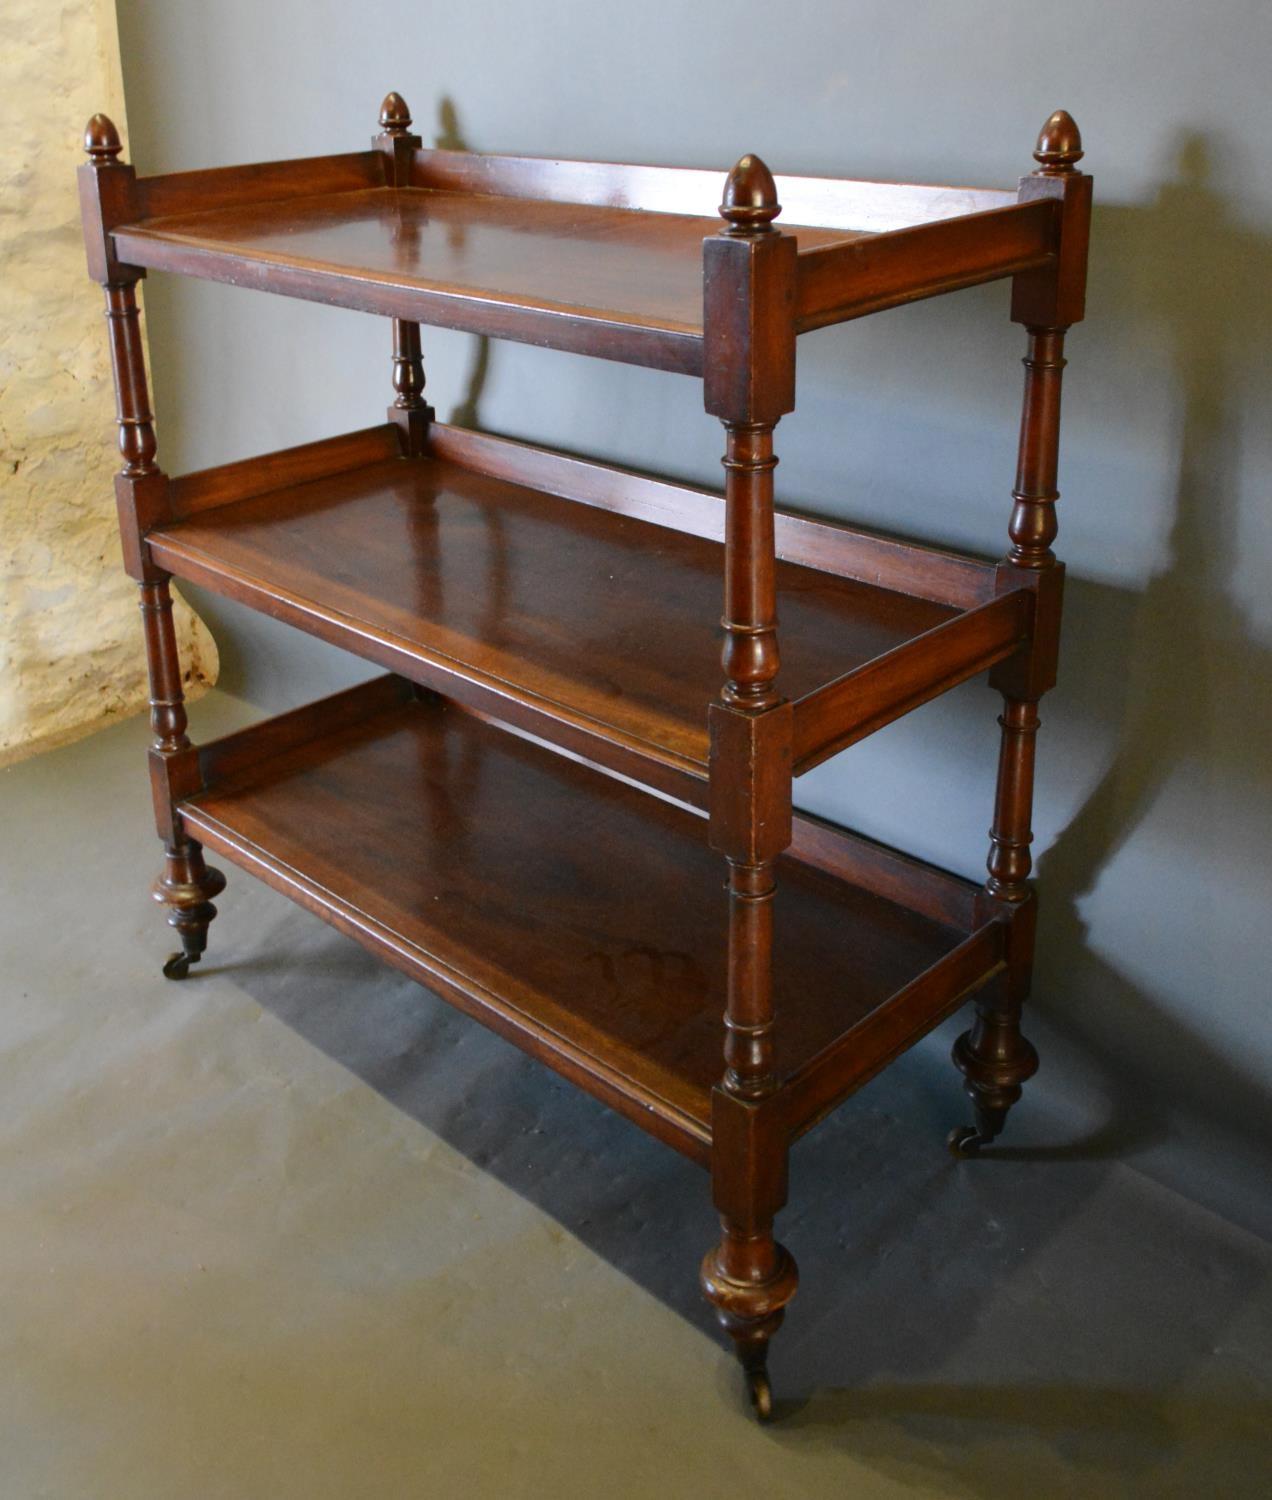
(577,601)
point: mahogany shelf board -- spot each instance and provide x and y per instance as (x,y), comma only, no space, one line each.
(513,267)
(573,912)
(508,597)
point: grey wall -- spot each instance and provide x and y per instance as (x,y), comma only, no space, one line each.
(1153,815)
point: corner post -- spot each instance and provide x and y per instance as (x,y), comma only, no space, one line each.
(749,360)
(993,1056)
(409,410)
(186,886)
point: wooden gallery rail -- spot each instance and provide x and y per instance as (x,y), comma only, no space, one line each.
(526,603)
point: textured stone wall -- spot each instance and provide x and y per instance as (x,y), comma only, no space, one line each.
(71,654)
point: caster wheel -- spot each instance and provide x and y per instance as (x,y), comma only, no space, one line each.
(761,1394)
(964,1141)
(178,966)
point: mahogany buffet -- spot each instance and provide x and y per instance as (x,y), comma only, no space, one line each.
(532,811)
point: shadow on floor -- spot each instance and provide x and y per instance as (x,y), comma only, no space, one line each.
(969,1306)
(1104,1441)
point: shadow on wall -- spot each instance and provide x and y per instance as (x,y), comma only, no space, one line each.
(1174,665)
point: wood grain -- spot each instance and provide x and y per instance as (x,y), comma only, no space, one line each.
(863,701)
(611,282)
(277,182)
(499,594)
(590,277)
(228,483)
(901,566)
(826,1080)
(837,282)
(822,202)
(483,866)
(501,845)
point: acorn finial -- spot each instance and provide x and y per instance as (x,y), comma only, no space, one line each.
(750,198)
(1059,147)
(101,140)
(395,117)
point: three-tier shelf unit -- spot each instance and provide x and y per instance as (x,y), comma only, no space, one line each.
(534,811)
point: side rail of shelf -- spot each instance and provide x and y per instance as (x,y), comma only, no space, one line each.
(842,281)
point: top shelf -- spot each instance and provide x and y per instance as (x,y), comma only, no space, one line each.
(545,273)
(589,257)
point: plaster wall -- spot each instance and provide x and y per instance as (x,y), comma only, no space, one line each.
(71,654)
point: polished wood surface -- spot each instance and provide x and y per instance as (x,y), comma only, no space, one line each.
(500,844)
(903,567)
(824,1081)
(410,411)
(819,202)
(217,188)
(903,679)
(1009,862)
(749,289)
(600,258)
(189,494)
(1056,297)
(484,865)
(886,871)
(497,590)
(838,282)
(560,274)
(186,886)
(1033,525)
(994,1056)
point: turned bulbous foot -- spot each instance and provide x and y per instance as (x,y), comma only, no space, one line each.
(995,1061)
(749,1280)
(751,1345)
(186,888)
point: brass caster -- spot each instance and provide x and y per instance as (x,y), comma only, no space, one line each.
(178,966)
(761,1393)
(965,1141)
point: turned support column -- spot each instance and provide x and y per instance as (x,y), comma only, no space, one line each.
(1009,860)
(749,274)
(748,1276)
(186,886)
(1033,527)
(751,657)
(993,1056)
(409,410)
(408,368)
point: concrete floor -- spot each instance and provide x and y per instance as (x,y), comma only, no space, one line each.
(293,1228)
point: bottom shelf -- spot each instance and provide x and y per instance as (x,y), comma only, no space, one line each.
(577,914)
